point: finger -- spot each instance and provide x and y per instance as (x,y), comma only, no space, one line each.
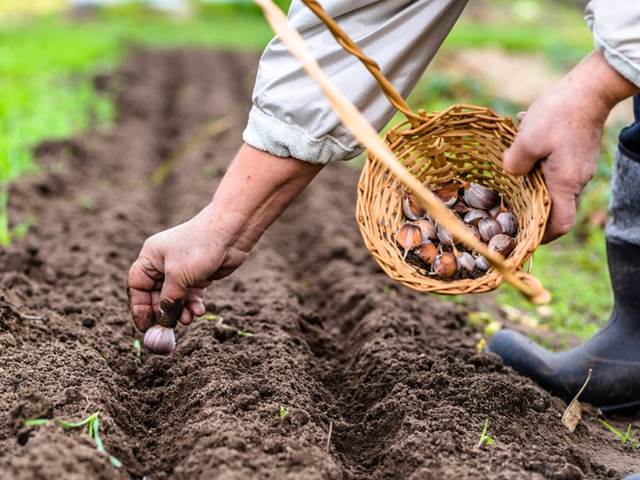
(520,158)
(155,304)
(197,308)
(186,318)
(520,116)
(562,217)
(142,315)
(195,301)
(172,298)
(139,282)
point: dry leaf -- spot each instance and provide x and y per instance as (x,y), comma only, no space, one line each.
(573,414)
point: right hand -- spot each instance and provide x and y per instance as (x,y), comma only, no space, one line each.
(176,266)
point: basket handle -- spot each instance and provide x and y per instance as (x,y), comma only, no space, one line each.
(370,64)
(366,134)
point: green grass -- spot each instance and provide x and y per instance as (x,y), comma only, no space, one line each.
(47,65)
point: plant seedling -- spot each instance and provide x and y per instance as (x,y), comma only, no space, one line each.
(210,316)
(485,436)
(92,422)
(283,411)
(625,438)
(221,325)
(138,348)
(36,422)
(242,333)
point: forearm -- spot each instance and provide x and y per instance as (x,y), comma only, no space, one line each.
(596,79)
(256,189)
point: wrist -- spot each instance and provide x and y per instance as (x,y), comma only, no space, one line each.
(602,83)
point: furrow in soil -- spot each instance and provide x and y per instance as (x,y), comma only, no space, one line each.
(335,345)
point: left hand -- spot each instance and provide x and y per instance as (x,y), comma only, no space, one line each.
(563,130)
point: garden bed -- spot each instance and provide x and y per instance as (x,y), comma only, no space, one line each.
(346,374)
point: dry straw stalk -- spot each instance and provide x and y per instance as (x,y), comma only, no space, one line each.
(463,142)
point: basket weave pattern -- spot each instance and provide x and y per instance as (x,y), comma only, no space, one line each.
(464,143)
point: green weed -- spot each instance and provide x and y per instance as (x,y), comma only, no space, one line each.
(138,348)
(283,411)
(92,424)
(626,437)
(485,436)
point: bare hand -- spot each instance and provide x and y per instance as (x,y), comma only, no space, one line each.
(167,282)
(563,130)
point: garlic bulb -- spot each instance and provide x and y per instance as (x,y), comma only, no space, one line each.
(488,228)
(474,216)
(444,236)
(448,195)
(508,222)
(503,244)
(482,263)
(427,252)
(411,207)
(160,340)
(465,262)
(427,229)
(479,196)
(409,236)
(445,265)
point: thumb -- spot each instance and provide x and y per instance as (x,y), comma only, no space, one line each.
(520,158)
(171,301)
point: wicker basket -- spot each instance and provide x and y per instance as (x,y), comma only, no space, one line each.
(462,143)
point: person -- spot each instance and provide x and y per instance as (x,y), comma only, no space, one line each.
(292,133)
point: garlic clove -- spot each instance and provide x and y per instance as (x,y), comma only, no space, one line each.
(488,228)
(479,196)
(460,207)
(427,252)
(482,263)
(444,236)
(409,236)
(465,262)
(474,216)
(502,244)
(473,230)
(445,265)
(160,340)
(411,207)
(448,195)
(508,222)
(427,229)
(495,211)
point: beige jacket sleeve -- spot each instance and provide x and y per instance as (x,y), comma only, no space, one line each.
(291,117)
(616,31)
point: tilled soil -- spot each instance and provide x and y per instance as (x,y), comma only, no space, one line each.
(378,381)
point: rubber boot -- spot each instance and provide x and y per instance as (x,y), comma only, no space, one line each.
(613,353)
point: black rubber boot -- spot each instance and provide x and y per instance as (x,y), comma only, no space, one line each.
(613,353)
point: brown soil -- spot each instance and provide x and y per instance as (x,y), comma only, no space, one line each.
(379,382)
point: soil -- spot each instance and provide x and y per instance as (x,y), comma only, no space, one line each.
(377,381)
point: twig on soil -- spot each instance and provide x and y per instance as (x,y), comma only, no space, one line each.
(572,415)
(18,313)
(92,422)
(328,445)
